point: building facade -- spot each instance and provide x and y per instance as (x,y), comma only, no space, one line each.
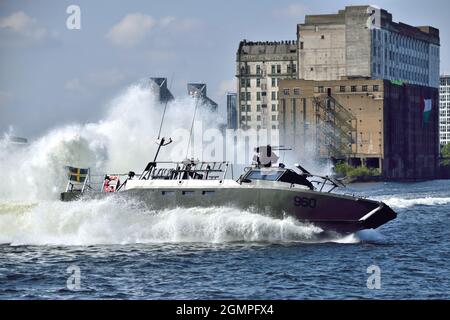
(198,90)
(259,68)
(383,124)
(159,85)
(232,116)
(444,112)
(364,41)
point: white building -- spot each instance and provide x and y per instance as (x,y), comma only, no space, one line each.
(260,66)
(444,112)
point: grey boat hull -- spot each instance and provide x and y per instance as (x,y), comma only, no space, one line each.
(329,211)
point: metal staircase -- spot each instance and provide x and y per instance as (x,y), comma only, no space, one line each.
(336,128)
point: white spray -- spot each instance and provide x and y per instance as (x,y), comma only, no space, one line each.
(124,140)
(34,175)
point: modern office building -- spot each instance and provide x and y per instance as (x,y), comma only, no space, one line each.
(384,124)
(160,87)
(364,41)
(444,109)
(259,68)
(232,111)
(198,90)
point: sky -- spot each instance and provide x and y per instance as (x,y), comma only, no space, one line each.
(51,75)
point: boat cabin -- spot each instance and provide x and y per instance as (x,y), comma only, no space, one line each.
(277,174)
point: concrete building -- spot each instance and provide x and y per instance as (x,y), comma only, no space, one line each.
(198,90)
(444,112)
(232,117)
(384,124)
(259,68)
(160,87)
(363,41)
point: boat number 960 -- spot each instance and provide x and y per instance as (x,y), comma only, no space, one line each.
(305,202)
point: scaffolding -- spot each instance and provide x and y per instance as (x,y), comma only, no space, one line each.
(336,128)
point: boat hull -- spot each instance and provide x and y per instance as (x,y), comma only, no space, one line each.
(329,211)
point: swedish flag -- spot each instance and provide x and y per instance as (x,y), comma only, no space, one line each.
(77,174)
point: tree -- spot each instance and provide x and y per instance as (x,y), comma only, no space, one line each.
(445,153)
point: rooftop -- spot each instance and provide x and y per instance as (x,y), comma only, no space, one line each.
(267,47)
(425,33)
(199,90)
(164,93)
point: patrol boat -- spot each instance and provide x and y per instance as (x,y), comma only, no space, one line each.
(264,187)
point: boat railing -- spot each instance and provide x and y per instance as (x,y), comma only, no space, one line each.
(325,181)
(96,181)
(163,170)
(188,170)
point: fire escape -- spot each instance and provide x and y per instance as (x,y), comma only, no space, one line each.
(336,128)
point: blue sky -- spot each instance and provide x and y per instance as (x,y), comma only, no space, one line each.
(50,75)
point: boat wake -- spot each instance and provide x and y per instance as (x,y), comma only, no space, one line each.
(116,221)
(401,203)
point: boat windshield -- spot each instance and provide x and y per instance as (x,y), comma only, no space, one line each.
(269,175)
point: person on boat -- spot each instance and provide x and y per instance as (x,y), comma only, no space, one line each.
(106,184)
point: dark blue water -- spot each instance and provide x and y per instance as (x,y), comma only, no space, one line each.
(412,253)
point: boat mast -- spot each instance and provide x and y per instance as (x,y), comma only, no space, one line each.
(192,125)
(160,141)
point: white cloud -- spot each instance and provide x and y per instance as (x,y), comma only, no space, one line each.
(179,24)
(18,21)
(227,86)
(131,30)
(294,10)
(22,29)
(167,21)
(134,28)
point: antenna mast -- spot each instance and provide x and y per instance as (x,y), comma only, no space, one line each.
(164,112)
(192,125)
(160,141)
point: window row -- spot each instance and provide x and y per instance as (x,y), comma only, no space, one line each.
(259,107)
(402,41)
(246,82)
(258,118)
(363,88)
(398,73)
(396,58)
(274,127)
(247,96)
(274,69)
(295,91)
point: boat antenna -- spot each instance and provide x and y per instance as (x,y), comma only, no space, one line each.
(165,108)
(160,141)
(192,125)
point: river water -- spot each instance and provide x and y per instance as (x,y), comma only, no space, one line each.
(118,249)
(122,251)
